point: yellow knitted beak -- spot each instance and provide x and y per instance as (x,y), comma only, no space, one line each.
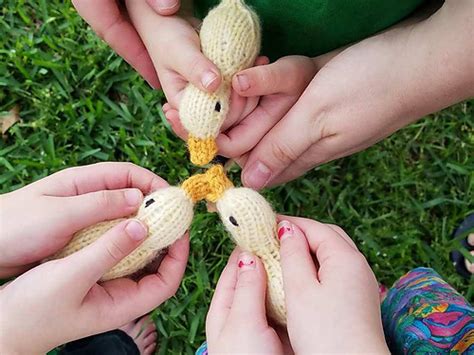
(210,186)
(202,151)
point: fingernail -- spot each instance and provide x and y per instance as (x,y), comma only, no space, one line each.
(208,78)
(246,261)
(166,4)
(244,82)
(133,197)
(285,230)
(136,230)
(257,176)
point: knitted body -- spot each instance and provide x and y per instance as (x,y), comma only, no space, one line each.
(252,224)
(230,38)
(167,212)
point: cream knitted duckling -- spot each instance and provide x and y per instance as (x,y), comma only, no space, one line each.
(252,225)
(230,38)
(167,212)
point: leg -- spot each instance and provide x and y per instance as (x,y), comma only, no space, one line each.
(422,313)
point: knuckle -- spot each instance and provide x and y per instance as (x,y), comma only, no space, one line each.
(289,251)
(103,199)
(114,251)
(247,280)
(197,65)
(268,76)
(282,152)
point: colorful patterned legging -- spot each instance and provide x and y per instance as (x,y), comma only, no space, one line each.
(423,314)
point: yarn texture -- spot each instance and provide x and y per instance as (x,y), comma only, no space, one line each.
(252,225)
(167,212)
(230,38)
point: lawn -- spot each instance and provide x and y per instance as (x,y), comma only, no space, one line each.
(80,104)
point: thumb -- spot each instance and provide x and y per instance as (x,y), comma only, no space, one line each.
(250,290)
(282,146)
(193,65)
(164,7)
(77,212)
(89,264)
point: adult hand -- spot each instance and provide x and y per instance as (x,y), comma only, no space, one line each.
(332,303)
(41,218)
(236,322)
(110,20)
(60,301)
(369,91)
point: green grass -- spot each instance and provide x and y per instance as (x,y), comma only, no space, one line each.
(81,104)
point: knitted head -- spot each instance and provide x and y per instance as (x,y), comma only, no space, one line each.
(230,38)
(202,115)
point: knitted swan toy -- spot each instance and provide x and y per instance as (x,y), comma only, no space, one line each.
(167,212)
(252,225)
(230,38)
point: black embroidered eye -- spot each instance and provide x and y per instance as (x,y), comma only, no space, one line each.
(233,221)
(149,202)
(218,107)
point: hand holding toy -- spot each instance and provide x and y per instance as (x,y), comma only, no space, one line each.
(230,38)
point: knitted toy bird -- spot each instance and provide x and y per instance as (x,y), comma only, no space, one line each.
(252,225)
(167,212)
(230,38)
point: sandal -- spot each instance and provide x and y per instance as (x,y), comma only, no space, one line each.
(458,259)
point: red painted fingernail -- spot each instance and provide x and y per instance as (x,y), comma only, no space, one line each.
(246,261)
(285,230)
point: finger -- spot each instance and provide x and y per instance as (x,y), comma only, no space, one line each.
(273,78)
(110,24)
(166,107)
(183,47)
(280,147)
(250,290)
(88,265)
(189,61)
(78,212)
(164,7)
(246,135)
(153,290)
(223,296)
(296,261)
(241,107)
(173,118)
(101,176)
(334,252)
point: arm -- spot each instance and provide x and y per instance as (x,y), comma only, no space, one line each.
(369,91)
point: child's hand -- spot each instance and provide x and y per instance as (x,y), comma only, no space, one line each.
(278,85)
(39,219)
(332,304)
(174,46)
(109,19)
(369,91)
(61,301)
(236,322)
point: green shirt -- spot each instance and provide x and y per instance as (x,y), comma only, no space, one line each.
(315,27)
